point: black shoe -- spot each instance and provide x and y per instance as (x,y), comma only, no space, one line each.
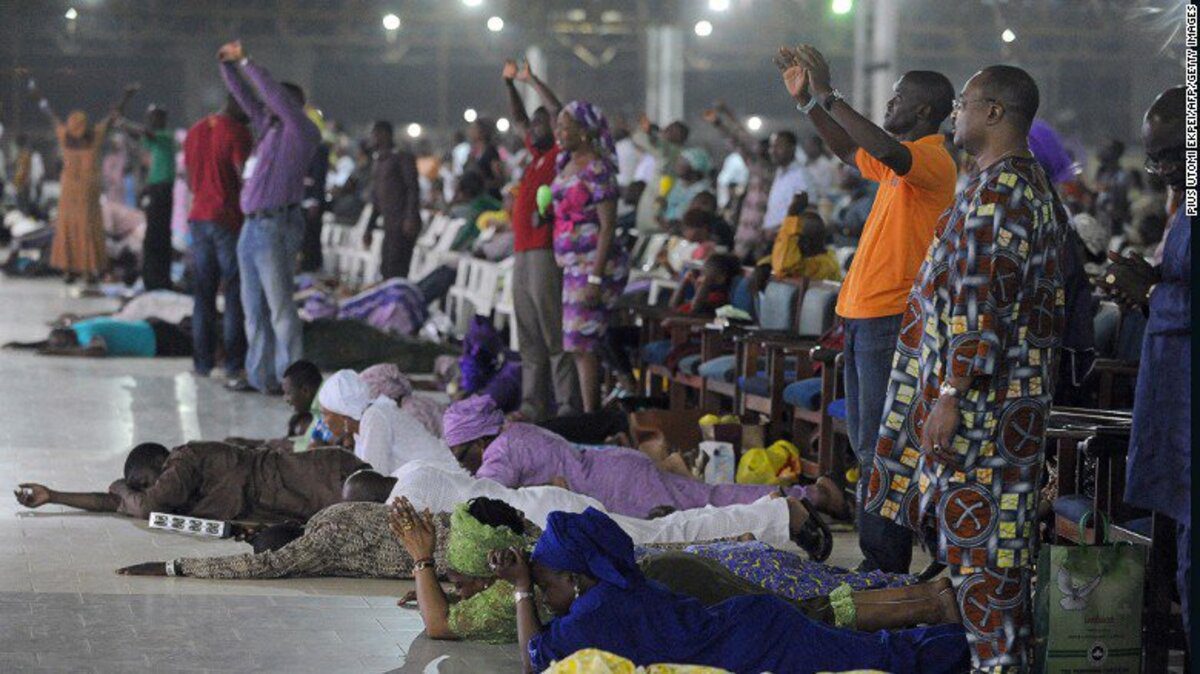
(930,572)
(815,538)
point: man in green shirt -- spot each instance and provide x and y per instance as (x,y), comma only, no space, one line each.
(157,197)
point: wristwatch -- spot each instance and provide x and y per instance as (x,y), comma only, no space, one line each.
(947,389)
(807,107)
(519,595)
(595,280)
(830,98)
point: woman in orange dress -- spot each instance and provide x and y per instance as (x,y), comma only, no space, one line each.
(78,247)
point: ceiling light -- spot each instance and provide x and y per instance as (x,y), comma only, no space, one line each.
(470,115)
(754,123)
(472,3)
(413,130)
(502,125)
(577,15)
(703,28)
(1008,35)
(718,5)
(611,16)
(391,22)
(495,24)
(843,6)
(71,14)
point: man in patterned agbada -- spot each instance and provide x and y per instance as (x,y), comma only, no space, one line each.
(960,454)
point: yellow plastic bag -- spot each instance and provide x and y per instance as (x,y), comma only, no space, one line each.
(756,467)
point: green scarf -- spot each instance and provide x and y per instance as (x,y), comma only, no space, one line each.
(470,541)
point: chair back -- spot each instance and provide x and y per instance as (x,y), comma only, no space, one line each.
(776,305)
(741,295)
(817,306)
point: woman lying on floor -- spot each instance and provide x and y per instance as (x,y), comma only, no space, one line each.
(104,336)
(486,604)
(585,568)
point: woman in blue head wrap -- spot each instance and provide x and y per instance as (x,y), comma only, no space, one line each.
(584,565)
(593,262)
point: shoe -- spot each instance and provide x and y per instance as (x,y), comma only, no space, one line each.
(239,384)
(815,538)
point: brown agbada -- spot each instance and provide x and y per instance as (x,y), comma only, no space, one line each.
(220,481)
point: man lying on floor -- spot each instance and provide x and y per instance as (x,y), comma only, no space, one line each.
(104,336)
(625,480)
(214,480)
(353,538)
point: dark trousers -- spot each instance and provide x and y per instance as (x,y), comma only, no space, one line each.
(214,252)
(437,283)
(870,344)
(311,258)
(593,428)
(397,251)
(158,202)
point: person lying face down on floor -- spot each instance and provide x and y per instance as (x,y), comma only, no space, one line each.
(376,429)
(587,574)
(106,336)
(352,538)
(214,480)
(626,481)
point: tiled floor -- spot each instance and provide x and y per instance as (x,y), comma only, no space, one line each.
(68,423)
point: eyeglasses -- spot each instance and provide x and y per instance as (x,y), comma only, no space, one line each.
(960,102)
(1161,162)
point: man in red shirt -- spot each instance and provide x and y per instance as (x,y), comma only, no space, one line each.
(214,151)
(537,279)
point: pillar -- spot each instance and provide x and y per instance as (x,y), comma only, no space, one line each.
(537,63)
(885,33)
(664,73)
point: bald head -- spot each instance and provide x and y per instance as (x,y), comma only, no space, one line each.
(1015,89)
(367,486)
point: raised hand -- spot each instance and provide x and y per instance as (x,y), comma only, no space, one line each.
(818,68)
(710,115)
(413,529)
(32,495)
(231,52)
(509,72)
(795,76)
(525,74)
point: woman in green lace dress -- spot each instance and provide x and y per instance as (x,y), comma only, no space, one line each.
(484,607)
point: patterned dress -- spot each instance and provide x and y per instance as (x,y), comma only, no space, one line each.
(988,303)
(576,235)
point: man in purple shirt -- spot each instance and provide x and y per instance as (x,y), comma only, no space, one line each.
(274,229)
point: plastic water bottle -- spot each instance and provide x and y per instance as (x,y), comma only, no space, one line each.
(721,467)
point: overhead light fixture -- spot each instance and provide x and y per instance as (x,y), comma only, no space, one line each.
(413,130)
(71,14)
(754,123)
(391,22)
(470,115)
(718,5)
(703,28)
(502,125)
(611,16)
(843,6)
(1008,35)
(577,15)
(495,24)
(472,3)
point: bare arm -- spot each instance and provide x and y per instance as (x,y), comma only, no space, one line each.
(118,110)
(435,608)
(553,105)
(724,121)
(44,105)
(32,495)
(516,104)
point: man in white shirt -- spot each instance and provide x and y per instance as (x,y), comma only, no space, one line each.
(734,173)
(791,178)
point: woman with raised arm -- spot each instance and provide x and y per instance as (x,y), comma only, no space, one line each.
(78,248)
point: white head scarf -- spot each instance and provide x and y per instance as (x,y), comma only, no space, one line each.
(345,393)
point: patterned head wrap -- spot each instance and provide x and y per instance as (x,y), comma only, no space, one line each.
(386,379)
(591,543)
(470,419)
(77,124)
(470,541)
(698,159)
(591,119)
(345,393)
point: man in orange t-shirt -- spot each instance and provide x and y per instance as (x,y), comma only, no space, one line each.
(916,177)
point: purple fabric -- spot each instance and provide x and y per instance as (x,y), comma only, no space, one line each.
(395,306)
(505,387)
(481,356)
(625,480)
(386,379)
(287,138)
(470,419)
(1048,149)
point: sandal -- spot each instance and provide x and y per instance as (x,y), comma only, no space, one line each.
(815,537)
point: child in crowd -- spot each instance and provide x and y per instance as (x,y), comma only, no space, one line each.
(801,249)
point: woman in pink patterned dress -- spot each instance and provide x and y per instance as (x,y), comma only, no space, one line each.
(594,263)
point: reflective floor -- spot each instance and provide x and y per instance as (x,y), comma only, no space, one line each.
(68,423)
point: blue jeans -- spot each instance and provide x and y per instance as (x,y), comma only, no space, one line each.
(214,250)
(266,251)
(870,345)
